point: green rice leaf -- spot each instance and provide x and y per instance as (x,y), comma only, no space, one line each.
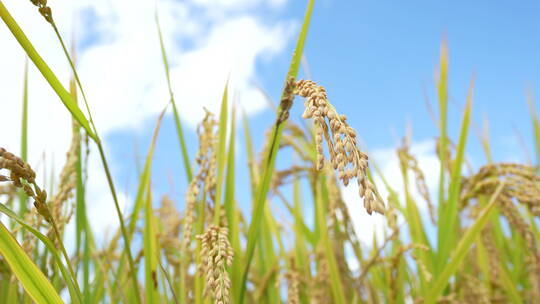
(462,249)
(270,159)
(23,198)
(177,121)
(442,90)
(335,279)
(449,222)
(151,251)
(230,206)
(32,279)
(221,153)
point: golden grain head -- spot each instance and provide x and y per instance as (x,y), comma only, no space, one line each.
(22,176)
(345,156)
(217,254)
(43,9)
(17,167)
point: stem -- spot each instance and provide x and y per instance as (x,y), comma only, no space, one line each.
(66,53)
(127,248)
(64,252)
(97,140)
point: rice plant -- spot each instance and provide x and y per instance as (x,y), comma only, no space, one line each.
(211,251)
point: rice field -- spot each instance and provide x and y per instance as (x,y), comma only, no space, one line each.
(212,251)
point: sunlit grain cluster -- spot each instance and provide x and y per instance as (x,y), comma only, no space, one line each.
(265,220)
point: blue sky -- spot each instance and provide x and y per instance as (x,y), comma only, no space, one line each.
(377,60)
(381,56)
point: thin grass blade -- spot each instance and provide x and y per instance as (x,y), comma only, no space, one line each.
(270,158)
(221,153)
(448,223)
(151,252)
(177,121)
(462,249)
(28,273)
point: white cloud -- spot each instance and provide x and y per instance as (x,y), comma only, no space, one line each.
(237,4)
(122,71)
(228,4)
(277,3)
(231,49)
